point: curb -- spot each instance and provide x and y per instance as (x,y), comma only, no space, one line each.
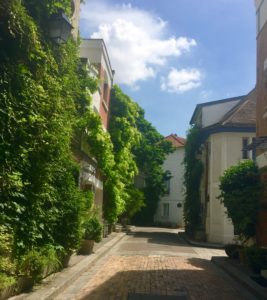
(61,280)
(240,277)
(203,244)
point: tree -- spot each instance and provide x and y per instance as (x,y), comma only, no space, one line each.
(150,155)
(138,149)
(125,137)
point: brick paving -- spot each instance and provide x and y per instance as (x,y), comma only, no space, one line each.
(156,262)
(160,275)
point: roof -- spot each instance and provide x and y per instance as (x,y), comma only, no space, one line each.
(243,114)
(176,141)
(201,105)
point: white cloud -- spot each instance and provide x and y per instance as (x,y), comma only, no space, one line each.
(179,81)
(136,39)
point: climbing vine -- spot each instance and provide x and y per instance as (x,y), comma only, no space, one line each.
(42,88)
(125,136)
(139,150)
(192,178)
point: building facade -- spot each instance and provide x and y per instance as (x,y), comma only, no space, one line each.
(227,127)
(261,86)
(94,53)
(171,205)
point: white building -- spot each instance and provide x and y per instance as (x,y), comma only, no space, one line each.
(227,127)
(170,207)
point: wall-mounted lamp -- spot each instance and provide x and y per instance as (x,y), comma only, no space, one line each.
(59,27)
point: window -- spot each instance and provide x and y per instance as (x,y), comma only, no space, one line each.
(245,142)
(166,210)
(167,186)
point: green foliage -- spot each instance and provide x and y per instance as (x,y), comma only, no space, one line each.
(34,263)
(44,96)
(138,148)
(192,178)
(125,136)
(7,265)
(6,281)
(92,229)
(150,154)
(101,148)
(240,190)
(135,202)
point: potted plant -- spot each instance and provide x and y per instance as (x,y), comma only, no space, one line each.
(92,233)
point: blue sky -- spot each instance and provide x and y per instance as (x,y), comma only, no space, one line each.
(171,55)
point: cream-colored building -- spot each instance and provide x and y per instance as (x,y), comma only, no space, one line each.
(171,205)
(227,127)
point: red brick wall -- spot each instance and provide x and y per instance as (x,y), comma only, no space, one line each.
(262,126)
(104,108)
(262,217)
(261,82)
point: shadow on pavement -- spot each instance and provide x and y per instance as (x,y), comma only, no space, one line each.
(163,238)
(196,279)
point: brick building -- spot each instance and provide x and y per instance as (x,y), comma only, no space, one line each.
(261,133)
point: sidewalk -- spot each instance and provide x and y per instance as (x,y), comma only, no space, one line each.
(241,275)
(53,285)
(201,244)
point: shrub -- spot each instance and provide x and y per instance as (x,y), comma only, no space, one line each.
(6,281)
(240,190)
(35,262)
(93,229)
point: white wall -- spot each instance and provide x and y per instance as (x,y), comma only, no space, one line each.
(173,163)
(95,51)
(261,11)
(225,151)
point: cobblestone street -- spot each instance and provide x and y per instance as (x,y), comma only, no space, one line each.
(154,261)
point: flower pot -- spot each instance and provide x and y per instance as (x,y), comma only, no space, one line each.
(65,260)
(86,247)
(105,230)
(24,284)
(110,228)
(118,228)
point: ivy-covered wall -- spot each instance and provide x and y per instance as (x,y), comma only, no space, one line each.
(192,178)
(44,99)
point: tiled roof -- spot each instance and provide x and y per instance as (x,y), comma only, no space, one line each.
(176,141)
(244,114)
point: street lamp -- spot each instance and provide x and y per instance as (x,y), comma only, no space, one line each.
(59,27)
